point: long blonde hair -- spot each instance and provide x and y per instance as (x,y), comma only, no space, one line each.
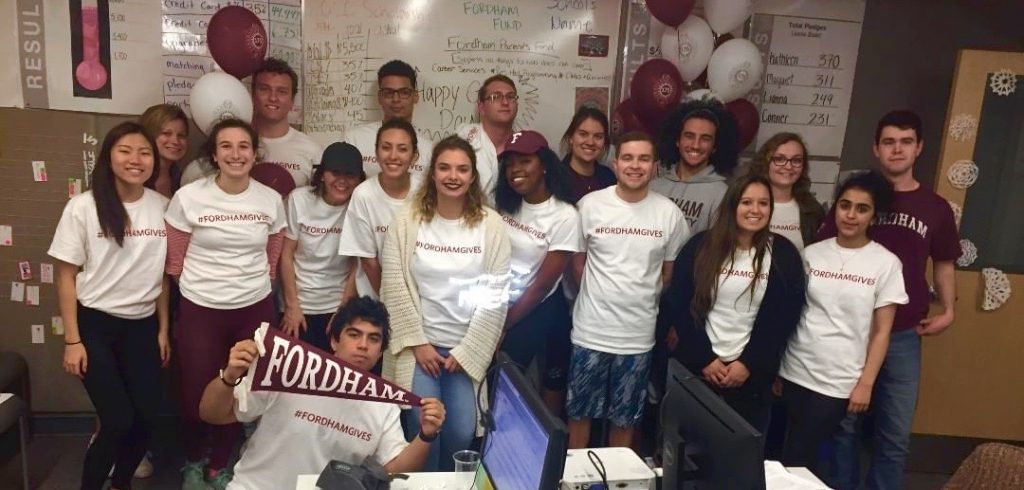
(426,196)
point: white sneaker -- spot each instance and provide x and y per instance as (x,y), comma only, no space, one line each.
(145,468)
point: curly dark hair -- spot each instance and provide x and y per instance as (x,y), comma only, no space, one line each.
(279,67)
(727,135)
(366,309)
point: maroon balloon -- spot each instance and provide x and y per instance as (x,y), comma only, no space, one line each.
(656,89)
(670,12)
(237,40)
(747,119)
(624,119)
(273,176)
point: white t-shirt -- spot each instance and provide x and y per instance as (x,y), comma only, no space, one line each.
(300,434)
(294,151)
(486,157)
(364,137)
(626,244)
(731,318)
(535,230)
(448,267)
(120,281)
(226,265)
(786,222)
(320,273)
(366,224)
(196,170)
(827,352)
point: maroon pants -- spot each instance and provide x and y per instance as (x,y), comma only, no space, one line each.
(204,338)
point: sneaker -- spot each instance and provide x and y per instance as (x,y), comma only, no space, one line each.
(220,480)
(145,468)
(192,476)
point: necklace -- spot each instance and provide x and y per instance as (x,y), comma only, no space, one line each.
(850,254)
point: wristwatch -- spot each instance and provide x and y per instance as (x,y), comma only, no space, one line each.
(225,380)
(428,439)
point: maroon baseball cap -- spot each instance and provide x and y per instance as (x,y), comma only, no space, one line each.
(525,142)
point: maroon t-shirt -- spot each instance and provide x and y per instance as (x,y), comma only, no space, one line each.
(582,185)
(919,225)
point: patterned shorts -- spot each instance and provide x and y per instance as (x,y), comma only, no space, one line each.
(594,377)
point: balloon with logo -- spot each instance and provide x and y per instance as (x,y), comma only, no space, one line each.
(689,47)
(726,15)
(702,94)
(624,119)
(237,40)
(656,89)
(747,119)
(274,176)
(217,96)
(670,12)
(702,80)
(734,69)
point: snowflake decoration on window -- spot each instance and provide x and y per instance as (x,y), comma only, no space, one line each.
(997,288)
(1003,82)
(968,253)
(962,174)
(958,212)
(963,127)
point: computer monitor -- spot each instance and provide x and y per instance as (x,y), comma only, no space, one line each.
(707,445)
(525,448)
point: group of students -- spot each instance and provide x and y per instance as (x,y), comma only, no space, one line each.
(486,241)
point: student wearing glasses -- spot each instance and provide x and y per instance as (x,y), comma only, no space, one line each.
(497,104)
(397,96)
(783,161)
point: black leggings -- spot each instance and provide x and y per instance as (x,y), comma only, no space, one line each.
(812,419)
(122,378)
(543,330)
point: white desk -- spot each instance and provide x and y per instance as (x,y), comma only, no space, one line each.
(451,481)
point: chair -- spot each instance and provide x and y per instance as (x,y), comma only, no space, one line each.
(14,415)
(991,465)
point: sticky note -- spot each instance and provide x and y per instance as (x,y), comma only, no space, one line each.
(32,296)
(57,325)
(37,334)
(46,273)
(18,291)
(5,236)
(24,270)
(39,171)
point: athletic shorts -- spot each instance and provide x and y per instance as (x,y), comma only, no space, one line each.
(599,378)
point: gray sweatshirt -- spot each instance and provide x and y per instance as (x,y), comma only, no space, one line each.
(698,199)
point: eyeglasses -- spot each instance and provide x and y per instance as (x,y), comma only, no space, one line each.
(495,97)
(782,160)
(402,93)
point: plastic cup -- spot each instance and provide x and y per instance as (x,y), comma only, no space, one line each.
(466,461)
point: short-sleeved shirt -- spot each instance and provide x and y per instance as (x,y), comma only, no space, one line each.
(366,224)
(364,138)
(448,266)
(582,185)
(300,434)
(123,281)
(737,301)
(919,225)
(627,244)
(486,157)
(535,230)
(226,264)
(320,273)
(827,352)
(295,152)
(786,222)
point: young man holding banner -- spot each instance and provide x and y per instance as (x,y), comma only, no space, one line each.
(305,425)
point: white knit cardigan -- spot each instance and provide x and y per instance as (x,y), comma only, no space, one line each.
(400,294)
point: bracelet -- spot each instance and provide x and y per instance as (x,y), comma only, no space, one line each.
(225,381)
(428,439)
(72,343)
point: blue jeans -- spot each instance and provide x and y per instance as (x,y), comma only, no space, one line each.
(455,390)
(892,405)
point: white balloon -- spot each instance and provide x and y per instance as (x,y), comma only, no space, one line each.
(689,47)
(217,96)
(734,69)
(657,31)
(702,94)
(725,15)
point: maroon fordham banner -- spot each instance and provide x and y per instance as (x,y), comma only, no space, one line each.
(292,366)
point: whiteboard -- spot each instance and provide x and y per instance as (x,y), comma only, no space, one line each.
(454,45)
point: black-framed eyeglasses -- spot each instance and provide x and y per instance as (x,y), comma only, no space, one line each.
(782,160)
(402,93)
(496,97)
